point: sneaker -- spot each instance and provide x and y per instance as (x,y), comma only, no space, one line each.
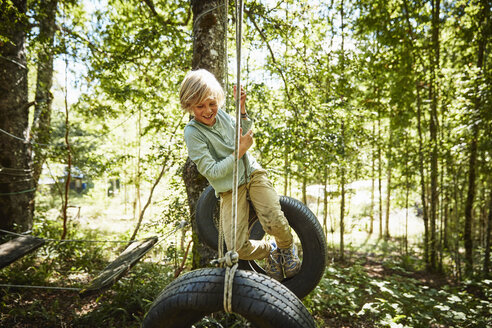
(273,268)
(290,261)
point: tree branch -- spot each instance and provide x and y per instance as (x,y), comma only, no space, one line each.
(150,4)
(250,16)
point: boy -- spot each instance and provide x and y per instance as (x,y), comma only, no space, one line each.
(209,138)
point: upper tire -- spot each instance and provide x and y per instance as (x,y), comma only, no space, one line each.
(260,299)
(302,221)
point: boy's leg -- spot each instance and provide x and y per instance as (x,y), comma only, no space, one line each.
(267,206)
(246,249)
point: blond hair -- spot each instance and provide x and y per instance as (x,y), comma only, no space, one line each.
(197,86)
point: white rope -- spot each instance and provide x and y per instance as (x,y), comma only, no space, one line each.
(226,86)
(181,225)
(231,258)
(41,287)
(235,172)
(69,240)
(231,261)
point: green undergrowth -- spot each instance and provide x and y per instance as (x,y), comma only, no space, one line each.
(373,291)
(73,265)
(350,297)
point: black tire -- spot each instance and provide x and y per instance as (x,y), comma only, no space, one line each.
(302,221)
(261,300)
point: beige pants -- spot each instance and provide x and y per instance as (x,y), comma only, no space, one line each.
(266,204)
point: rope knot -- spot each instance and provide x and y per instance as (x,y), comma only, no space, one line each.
(231,258)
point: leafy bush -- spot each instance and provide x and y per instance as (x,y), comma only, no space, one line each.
(352,296)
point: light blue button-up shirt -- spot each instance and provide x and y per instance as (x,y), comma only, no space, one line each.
(211,148)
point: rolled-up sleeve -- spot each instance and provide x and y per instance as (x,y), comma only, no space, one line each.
(246,124)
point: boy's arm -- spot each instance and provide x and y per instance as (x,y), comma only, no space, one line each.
(201,156)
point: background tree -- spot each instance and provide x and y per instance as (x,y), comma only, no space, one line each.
(40,132)
(16,184)
(209,52)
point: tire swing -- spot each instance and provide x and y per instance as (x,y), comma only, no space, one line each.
(258,298)
(261,300)
(302,221)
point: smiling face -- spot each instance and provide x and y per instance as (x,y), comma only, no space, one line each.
(206,111)
(201,95)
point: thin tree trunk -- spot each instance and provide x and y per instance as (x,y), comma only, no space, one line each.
(482,41)
(488,245)
(407,195)
(468,233)
(421,166)
(468,238)
(304,188)
(342,213)
(342,201)
(433,129)
(380,175)
(373,172)
(423,193)
(138,181)
(388,185)
(69,157)
(445,240)
(457,228)
(325,201)
(40,132)
(286,171)
(16,184)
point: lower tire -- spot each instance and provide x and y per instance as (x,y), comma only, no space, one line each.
(260,299)
(302,221)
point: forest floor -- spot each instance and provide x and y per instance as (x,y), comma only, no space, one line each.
(124,305)
(40,308)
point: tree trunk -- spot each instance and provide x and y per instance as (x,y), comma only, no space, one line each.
(388,185)
(456,220)
(40,132)
(342,201)
(16,184)
(69,160)
(373,172)
(209,52)
(380,176)
(304,187)
(488,232)
(407,195)
(423,193)
(286,171)
(468,233)
(325,201)
(433,128)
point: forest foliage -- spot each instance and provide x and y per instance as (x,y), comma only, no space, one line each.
(396,93)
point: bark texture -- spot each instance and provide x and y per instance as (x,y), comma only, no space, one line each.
(209,52)
(16,184)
